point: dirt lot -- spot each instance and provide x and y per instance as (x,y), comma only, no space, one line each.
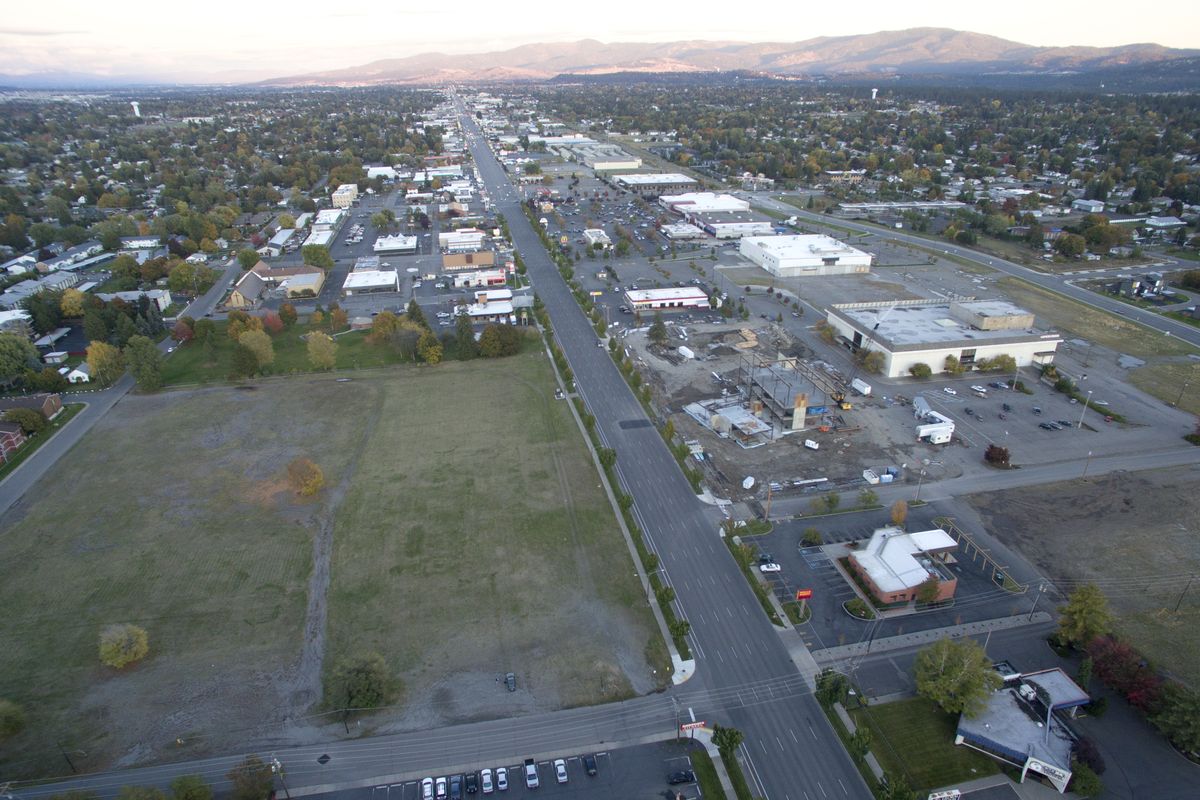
(1137,537)
(460,522)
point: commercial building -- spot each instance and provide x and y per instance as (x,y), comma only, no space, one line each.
(274,248)
(679,231)
(1023,725)
(396,244)
(702,202)
(492,305)
(159,298)
(453,262)
(844,177)
(371,281)
(595,236)
(804,255)
(344,195)
(910,332)
(894,564)
(851,210)
(732,224)
(653,185)
(319,237)
(463,240)
(671,297)
(302,284)
(329,218)
(599,156)
(481,277)
(1088,206)
(780,391)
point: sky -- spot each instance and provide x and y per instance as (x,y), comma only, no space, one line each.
(246,40)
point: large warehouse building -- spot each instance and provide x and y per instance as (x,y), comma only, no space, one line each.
(804,255)
(654,185)
(923,332)
(702,202)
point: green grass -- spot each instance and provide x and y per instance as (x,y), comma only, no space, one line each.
(706,775)
(1171,382)
(33,443)
(741,789)
(493,547)
(188,366)
(915,738)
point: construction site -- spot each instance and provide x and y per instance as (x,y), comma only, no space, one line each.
(752,401)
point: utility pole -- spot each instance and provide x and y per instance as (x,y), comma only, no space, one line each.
(1041,588)
(1085,406)
(1181,594)
(1087,464)
(1179,399)
(277,769)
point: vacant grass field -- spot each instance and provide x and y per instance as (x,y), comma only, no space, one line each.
(915,738)
(475,540)
(1136,536)
(172,513)
(188,364)
(1171,381)
(1106,330)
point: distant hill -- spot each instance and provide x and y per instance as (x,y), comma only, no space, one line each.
(917,51)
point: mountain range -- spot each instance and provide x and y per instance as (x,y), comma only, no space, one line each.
(886,53)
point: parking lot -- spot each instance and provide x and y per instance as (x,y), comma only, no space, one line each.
(629,772)
(980,594)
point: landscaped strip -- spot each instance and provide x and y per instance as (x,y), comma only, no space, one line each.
(38,439)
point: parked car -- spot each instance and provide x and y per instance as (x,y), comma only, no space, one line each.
(948,390)
(510,680)
(683,776)
(485,781)
(531,774)
(427,789)
(772,567)
(765,558)
(472,783)
(440,790)
(977,388)
(560,770)
(998,385)
(589,764)
(1048,426)
(1037,409)
(502,778)
(456,787)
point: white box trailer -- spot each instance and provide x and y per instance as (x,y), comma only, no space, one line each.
(861,386)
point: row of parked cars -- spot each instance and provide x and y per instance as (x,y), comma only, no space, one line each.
(488,780)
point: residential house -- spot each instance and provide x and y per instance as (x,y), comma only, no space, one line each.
(49,403)
(247,292)
(81,374)
(11,439)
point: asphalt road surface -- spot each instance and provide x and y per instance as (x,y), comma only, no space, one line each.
(792,751)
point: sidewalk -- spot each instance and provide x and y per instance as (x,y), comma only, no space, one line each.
(832,655)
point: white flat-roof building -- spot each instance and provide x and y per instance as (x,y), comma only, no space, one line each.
(161,298)
(801,255)
(321,237)
(396,244)
(894,564)
(595,236)
(732,224)
(492,304)
(329,217)
(682,230)
(344,195)
(461,241)
(923,332)
(480,277)
(1088,206)
(671,297)
(649,184)
(701,202)
(366,281)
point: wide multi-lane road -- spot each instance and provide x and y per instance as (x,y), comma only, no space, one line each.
(1054,283)
(793,752)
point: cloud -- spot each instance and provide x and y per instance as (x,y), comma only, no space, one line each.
(35,32)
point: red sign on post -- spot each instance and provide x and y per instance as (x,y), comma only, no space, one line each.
(803,594)
(691,726)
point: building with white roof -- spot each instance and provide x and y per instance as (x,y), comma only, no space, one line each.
(161,298)
(654,184)
(668,298)
(732,224)
(596,236)
(367,280)
(910,332)
(16,320)
(396,244)
(329,217)
(480,277)
(491,305)
(344,195)
(893,565)
(462,240)
(681,231)
(694,202)
(321,237)
(804,255)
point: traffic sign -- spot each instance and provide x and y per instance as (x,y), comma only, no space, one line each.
(803,594)
(595,294)
(691,726)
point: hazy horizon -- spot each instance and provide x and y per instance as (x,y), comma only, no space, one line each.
(231,43)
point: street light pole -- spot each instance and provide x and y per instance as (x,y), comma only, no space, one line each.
(1179,399)
(1041,588)
(920,480)
(1085,407)
(277,769)
(1087,464)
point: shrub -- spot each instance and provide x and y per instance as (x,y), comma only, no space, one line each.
(305,477)
(860,609)
(122,645)
(812,538)
(30,419)
(920,370)
(996,455)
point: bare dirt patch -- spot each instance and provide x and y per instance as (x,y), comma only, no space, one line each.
(1137,537)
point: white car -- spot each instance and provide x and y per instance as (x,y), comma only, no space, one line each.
(560,770)
(948,390)
(427,789)
(502,778)
(485,781)
(443,315)
(770,566)
(440,791)
(980,389)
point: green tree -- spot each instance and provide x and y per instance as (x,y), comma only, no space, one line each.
(95,328)
(105,362)
(17,354)
(286,222)
(413,311)
(658,330)
(927,592)
(190,787)
(873,362)
(957,675)
(832,501)
(860,740)
(867,497)
(1070,245)
(1085,616)
(259,343)
(322,351)
(141,793)
(204,330)
(287,313)
(362,683)
(244,363)
(1178,717)
(145,362)
(317,255)
(248,258)
(12,719)
(464,338)
(893,787)
(952,365)
(30,419)
(252,779)
(123,644)
(726,739)
(832,687)
(45,310)
(429,348)
(1084,781)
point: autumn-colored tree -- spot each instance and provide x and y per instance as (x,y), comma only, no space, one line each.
(1085,616)
(123,644)
(105,362)
(322,351)
(252,779)
(383,326)
(244,363)
(338,319)
(316,318)
(287,313)
(182,332)
(899,513)
(429,348)
(260,344)
(72,303)
(272,323)
(305,477)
